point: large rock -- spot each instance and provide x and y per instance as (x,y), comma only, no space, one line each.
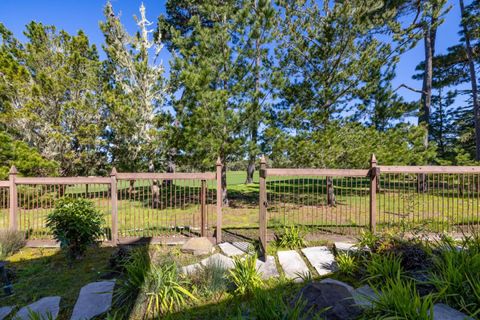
(321,259)
(218,260)
(191,269)
(365,296)
(46,308)
(345,246)
(4,312)
(443,312)
(198,246)
(230,250)
(293,265)
(331,299)
(95,299)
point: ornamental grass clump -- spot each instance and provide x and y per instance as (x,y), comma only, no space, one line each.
(10,242)
(292,238)
(244,275)
(76,224)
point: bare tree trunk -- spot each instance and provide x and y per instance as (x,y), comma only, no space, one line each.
(255,109)
(330,192)
(473,80)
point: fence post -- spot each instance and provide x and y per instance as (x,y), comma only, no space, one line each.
(113,196)
(373,193)
(13,198)
(203,208)
(263,205)
(219,201)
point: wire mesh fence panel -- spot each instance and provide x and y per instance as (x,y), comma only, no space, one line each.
(165,207)
(4,207)
(318,203)
(434,202)
(36,201)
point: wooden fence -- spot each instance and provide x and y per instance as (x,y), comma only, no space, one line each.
(136,206)
(171,206)
(431,198)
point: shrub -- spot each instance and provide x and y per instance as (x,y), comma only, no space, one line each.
(244,275)
(399,299)
(76,224)
(347,264)
(292,238)
(10,242)
(383,266)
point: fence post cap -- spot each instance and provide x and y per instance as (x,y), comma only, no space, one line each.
(13,170)
(262,159)
(219,161)
(373,159)
(113,172)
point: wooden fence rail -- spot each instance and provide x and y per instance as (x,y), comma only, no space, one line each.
(135,205)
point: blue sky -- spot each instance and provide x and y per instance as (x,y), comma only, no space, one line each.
(73,15)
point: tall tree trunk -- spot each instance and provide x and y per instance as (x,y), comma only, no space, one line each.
(473,80)
(255,109)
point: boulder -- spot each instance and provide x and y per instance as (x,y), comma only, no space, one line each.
(330,299)
(198,246)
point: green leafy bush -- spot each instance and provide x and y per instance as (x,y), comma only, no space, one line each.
(244,275)
(10,242)
(76,224)
(292,238)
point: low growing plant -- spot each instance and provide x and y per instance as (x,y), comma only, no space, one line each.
(380,267)
(76,224)
(399,299)
(347,264)
(268,305)
(210,281)
(244,275)
(292,237)
(10,242)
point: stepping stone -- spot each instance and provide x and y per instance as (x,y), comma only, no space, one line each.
(95,299)
(364,296)
(198,246)
(345,246)
(243,245)
(4,312)
(443,312)
(293,265)
(219,260)
(191,269)
(230,250)
(268,269)
(44,308)
(321,259)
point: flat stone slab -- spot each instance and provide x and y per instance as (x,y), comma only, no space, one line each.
(443,312)
(268,269)
(243,245)
(44,308)
(95,299)
(4,312)
(191,269)
(345,246)
(321,259)
(218,259)
(293,265)
(198,246)
(364,296)
(230,250)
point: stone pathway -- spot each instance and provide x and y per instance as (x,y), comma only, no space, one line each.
(218,259)
(443,312)
(293,265)
(321,259)
(45,308)
(230,249)
(95,299)
(268,269)
(4,312)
